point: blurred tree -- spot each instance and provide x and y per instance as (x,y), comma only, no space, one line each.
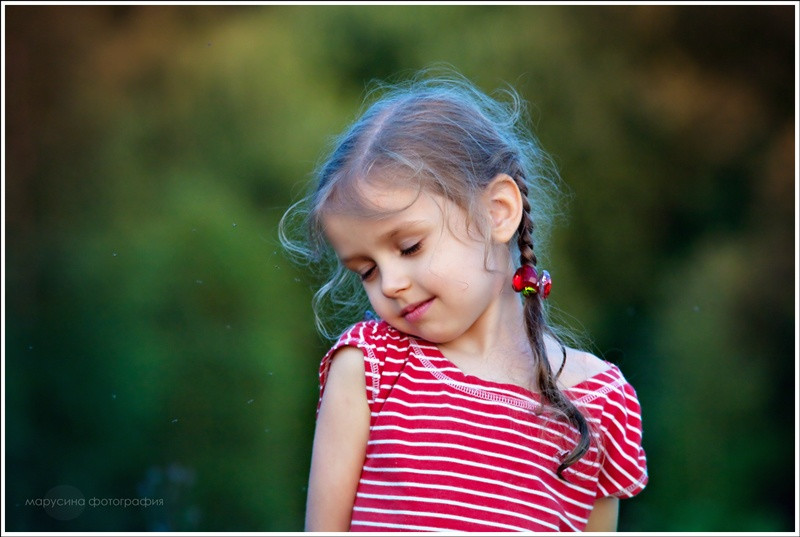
(158,344)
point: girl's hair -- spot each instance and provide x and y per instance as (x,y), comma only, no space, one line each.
(441,135)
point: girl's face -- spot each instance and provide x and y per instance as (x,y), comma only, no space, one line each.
(424,272)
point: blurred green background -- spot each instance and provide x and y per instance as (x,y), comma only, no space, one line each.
(158,344)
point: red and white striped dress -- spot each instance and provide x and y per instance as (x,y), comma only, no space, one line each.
(452,452)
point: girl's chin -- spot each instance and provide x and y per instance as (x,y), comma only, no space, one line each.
(407,330)
(427,335)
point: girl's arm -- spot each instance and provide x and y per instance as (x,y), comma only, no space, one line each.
(604,515)
(340,442)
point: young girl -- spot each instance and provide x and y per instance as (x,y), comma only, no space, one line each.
(457,408)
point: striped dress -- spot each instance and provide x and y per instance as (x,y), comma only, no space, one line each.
(452,452)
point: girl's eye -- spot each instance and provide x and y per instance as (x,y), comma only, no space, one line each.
(365,275)
(412,250)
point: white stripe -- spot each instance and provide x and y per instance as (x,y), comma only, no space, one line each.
(619,490)
(470,506)
(399,526)
(453,395)
(635,462)
(494,417)
(460,385)
(486,427)
(621,470)
(435,515)
(487,439)
(487,454)
(576,488)
(595,393)
(633,445)
(485,480)
(457,447)
(479,494)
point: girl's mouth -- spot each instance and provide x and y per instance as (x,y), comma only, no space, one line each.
(414,312)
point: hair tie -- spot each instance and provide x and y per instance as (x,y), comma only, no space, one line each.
(527,281)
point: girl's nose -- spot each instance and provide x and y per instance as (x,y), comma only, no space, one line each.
(394,281)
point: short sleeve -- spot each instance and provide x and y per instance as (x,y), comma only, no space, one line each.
(623,473)
(369,336)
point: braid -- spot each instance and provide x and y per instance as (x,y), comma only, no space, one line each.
(536,328)
(524,240)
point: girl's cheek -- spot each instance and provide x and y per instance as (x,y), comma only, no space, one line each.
(375,300)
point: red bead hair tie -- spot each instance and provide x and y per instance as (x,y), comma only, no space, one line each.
(528,282)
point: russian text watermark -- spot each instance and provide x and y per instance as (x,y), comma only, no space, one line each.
(66,502)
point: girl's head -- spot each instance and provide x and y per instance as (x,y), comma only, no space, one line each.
(425,266)
(436,136)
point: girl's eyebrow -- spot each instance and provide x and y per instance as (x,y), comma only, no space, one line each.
(402,226)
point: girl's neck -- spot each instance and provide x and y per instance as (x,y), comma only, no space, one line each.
(496,348)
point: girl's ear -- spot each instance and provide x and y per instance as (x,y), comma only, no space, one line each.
(503,201)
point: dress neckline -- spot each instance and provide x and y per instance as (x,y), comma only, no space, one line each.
(504,391)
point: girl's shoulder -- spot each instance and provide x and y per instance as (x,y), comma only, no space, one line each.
(592,380)
(376,339)
(582,366)
(578,367)
(373,331)
(385,350)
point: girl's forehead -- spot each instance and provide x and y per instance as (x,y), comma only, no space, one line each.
(386,197)
(378,206)
(375,197)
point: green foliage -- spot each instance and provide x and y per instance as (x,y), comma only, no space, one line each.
(159,345)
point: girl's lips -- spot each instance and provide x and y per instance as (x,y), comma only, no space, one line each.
(414,312)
